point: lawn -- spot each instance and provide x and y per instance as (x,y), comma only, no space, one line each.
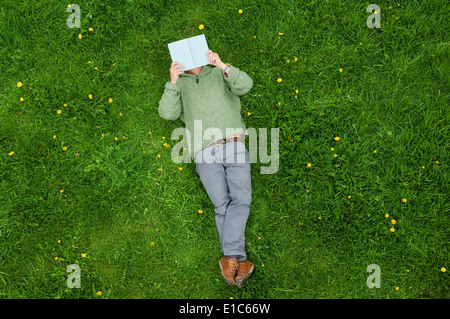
(86,174)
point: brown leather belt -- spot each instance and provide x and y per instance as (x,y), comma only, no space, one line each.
(225,140)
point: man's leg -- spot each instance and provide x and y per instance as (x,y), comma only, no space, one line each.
(212,175)
(237,171)
(213,178)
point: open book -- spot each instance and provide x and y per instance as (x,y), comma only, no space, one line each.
(190,51)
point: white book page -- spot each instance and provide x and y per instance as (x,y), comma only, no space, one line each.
(180,52)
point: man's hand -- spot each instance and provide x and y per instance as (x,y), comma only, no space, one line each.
(215,60)
(175,70)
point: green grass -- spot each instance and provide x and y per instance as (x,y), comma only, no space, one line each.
(140,228)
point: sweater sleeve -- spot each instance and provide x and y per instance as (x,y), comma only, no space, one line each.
(170,106)
(238,81)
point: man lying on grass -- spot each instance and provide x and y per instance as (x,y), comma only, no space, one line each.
(207,99)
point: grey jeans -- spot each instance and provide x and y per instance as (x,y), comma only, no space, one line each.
(225,173)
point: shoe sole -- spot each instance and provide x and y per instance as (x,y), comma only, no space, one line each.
(240,282)
(229,281)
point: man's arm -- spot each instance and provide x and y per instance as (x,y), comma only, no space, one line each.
(170,107)
(238,81)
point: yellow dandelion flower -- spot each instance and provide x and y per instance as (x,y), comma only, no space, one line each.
(21,99)
(80,36)
(349,196)
(332,148)
(180,168)
(59,111)
(77,154)
(56,258)
(103,134)
(248,113)
(159,155)
(296,91)
(90,96)
(201,26)
(309,164)
(120,114)
(200,211)
(64,148)
(240,11)
(397,288)
(19,84)
(387,215)
(11,153)
(89,61)
(337,138)
(59,241)
(374,151)
(279,80)
(340,70)
(91,29)
(54,136)
(392,229)
(61,191)
(99,293)
(393,221)
(254,37)
(280,33)
(404,200)
(335,155)
(166,145)
(96,68)
(295,59)
(83,255)
(160,169)
(110,100)
(152,243)
(116,138)
(443,269)
(65,105)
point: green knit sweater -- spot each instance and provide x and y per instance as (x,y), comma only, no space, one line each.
(208,104)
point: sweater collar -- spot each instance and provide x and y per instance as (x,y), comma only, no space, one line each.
(205,70)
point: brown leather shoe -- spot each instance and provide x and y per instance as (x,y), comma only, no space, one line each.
(245,270)
(229,267)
